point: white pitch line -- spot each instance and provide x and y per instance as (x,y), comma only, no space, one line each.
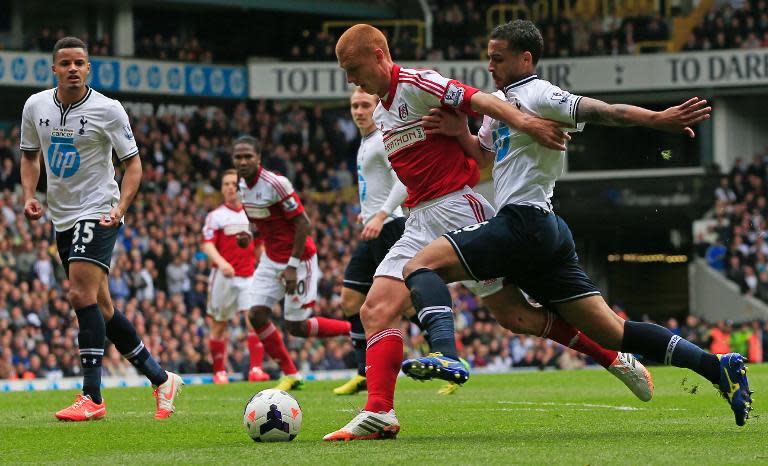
(575,405)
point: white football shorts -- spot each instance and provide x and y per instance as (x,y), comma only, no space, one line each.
(226,296)
(428,221)
(268,288)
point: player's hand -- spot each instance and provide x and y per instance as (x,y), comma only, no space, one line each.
(288,276)
(33,210)
(360,218)
(680,118)
(446,123)
(243,239)
(548,133)
(113,220)
(227,270)
(372,229)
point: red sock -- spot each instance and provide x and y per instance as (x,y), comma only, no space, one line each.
(323,327)
(255,349)
(218,353)
(275,348)
(383,358)
(556,329)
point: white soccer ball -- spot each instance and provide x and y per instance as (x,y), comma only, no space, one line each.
(272,416)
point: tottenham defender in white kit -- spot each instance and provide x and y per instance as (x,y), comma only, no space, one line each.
(233,253)
(537,245)
(76,128)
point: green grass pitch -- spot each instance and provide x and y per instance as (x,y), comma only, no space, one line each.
(581,417)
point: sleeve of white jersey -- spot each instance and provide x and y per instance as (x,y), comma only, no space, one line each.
(559,105)
(484,135)
(119,132)
(398,194)
(210,227)
(30,140)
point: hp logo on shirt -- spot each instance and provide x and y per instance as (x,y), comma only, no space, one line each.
(63,157)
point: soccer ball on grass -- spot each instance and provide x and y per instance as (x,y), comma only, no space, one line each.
(272,416)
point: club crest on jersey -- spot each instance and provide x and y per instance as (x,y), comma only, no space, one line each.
(63,157)
(403,111)
(454,95)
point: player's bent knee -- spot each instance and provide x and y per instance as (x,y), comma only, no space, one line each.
(377,317)
(259,317)
(297,328)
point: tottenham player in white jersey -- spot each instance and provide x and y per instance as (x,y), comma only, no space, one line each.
(76,129)
(537,245)
(381,195)
(233,253)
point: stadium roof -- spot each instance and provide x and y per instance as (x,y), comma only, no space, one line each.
(349,8)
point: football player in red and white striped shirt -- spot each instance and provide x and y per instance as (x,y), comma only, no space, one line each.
(288,268)
(438,177)
(233,252)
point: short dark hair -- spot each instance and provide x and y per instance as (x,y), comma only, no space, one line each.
(69,43)
(521,36)
(250,140)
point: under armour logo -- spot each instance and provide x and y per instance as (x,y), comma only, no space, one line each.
(44,122)
(83,121)
(79,248)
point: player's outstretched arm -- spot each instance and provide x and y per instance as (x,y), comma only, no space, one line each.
(128,190)
(454,124)
(30,175)
(677,119)
(548,133)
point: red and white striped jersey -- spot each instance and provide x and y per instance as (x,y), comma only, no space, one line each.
(429,166)
(221,228)
(270,203)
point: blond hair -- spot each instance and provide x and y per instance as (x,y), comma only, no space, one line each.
(361,38)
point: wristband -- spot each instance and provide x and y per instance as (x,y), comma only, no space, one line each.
(294,262)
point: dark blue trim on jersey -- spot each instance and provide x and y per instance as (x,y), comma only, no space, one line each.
(575,110)
(521,82)
(65,111)
(129,156)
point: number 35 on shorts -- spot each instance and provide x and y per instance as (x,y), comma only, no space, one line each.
(469,228)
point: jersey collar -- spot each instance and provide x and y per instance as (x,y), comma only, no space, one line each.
(255,179)
(394,78)
(64,111)
(233,210)
(521,82)
(73,104)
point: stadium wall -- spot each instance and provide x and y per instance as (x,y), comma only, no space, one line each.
(714,298)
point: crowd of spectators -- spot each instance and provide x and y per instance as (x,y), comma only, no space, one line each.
(46,39)
(172,48)
(732,25)
(461,33)
(734,242)
(159,274)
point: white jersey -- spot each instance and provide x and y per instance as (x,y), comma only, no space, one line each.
(379,187)
(524,172)
(77,142)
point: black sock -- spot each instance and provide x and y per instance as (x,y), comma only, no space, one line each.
(91,343)
(659,344)
(122,333)
(433,305)
(415,320)
(358,342)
